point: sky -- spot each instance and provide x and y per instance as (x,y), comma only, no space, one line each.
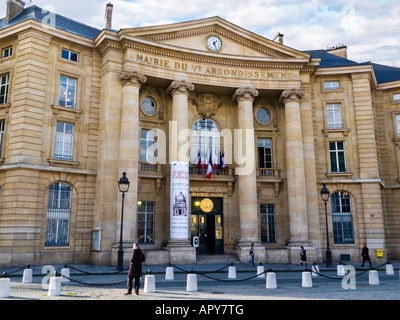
(369,29)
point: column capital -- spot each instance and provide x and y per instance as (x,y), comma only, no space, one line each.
(291,95)
(134,78)
(245,94)
(180,87)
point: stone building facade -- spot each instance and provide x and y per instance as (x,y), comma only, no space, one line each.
(79,106)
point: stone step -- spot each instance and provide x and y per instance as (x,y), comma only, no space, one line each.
(217,258)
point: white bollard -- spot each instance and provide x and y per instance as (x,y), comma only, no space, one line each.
(271,280)
(232,273)
(54,287)
(373,278)
(315,270)
(340,270)
(389,269)
(149,284)
(306,281)
(65,272)
(191,284)
(169,273)
(27,277)
(4,288)
(260,272)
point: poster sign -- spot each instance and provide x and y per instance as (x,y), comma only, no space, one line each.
(179,209)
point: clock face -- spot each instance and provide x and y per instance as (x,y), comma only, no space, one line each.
(214,43)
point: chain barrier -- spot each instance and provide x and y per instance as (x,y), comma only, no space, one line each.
(96,274)
(5,274)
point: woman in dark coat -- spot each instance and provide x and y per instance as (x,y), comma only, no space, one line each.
(135,269)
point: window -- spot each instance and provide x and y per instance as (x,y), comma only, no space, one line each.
(331,85)
(4,82)
(264,153)
(268,223)
(7,52)
(149,106)
(398,125)
(263,116)
(2,123)
(147,146)
(334,116)
(145,232)
(69,55)
(206,141)
(342,219)
(58,215)
(396,97)
(64,141)
(338,162)
(67,94)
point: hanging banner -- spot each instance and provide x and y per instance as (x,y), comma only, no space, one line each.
(179,209)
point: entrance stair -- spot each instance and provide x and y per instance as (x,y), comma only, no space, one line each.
(217,259)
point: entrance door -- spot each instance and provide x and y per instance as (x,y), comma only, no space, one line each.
(208,227)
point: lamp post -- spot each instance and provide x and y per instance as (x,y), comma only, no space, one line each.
(325,198)
(123,186)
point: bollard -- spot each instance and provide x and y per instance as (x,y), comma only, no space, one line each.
(373,278)
(65,272)
(149,284)
(315,270)
(27,277)
(191,284)
(54,287)
(340,270)
(271,280)
(306,281)
(4,288)
(169,273)
(232,273)
(389,269)
(260,272)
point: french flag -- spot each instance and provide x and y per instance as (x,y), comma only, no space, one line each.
(221,161)
(209,168)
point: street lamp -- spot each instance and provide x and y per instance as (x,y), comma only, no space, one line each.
(325,198)
(123,186)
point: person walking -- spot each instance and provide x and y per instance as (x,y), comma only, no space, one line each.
(303,256)
(251,253)
(365,256)
(135,269)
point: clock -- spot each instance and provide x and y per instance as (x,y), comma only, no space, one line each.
(214,43)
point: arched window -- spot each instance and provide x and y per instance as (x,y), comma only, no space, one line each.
(342,218)
(206,141)
(58,215)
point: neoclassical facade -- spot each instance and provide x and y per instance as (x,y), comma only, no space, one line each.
(226,138)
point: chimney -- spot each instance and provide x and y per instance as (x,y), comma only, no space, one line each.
(14,7)
(279,36)
(339,50)
(109,12)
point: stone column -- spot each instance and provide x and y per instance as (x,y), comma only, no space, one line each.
(296,182)
(129,149)
(246,172)
(179,244)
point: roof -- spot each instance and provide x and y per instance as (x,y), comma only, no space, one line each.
(61,22)
(383,74)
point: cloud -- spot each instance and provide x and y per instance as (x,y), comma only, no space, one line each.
(368,28)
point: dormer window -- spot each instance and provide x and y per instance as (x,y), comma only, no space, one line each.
(70,55)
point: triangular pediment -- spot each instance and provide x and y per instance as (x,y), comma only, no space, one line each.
(236,41)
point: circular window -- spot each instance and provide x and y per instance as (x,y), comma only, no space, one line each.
(263,116)
(149,106)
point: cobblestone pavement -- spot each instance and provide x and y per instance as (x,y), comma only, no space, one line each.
(211,285)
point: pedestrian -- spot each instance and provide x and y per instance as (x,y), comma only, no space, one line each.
(135,268)
(365,256)
(303,257)
(251,253)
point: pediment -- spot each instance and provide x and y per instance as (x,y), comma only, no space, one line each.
(236,41)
